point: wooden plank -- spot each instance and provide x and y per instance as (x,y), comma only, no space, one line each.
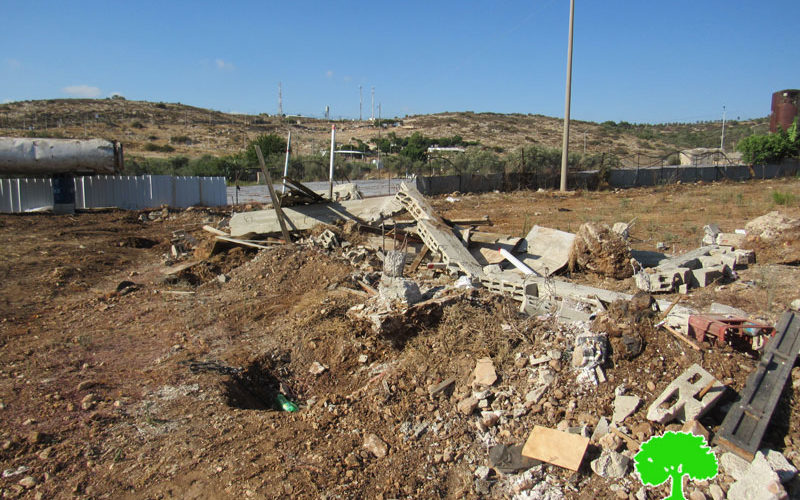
(276,202)
(558,448)
(686,339)
(303,189)
(418,260)
(241,242)
(746,422)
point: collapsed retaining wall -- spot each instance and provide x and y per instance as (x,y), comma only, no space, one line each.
(128,192)
(617,178)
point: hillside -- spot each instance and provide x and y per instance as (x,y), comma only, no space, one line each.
(152,129)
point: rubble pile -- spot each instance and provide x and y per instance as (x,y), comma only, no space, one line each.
(403,366)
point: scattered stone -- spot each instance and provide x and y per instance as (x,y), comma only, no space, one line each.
(778,463)
(86,384)
(35,437)
(759,482)
(651,386)
(696,495)
(223,278)
(482,472)
(696,428)
(611,442)
(27,482)
(733,465)
(45,453)
(716,492)
(484,374)
(375,445)
(600,430)
(363,358)
(624,406)
(489,418)
(317,368)
(89,401)
(611,464)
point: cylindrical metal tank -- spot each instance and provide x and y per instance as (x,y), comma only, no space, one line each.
(785,105)
(21,156)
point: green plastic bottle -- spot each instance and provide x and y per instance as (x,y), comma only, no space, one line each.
(286,405)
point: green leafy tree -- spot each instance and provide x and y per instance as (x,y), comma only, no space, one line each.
(672,456)
(270,144)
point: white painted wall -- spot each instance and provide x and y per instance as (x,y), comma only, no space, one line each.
(127,192)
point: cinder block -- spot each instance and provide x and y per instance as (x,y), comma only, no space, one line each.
(707,275)
(731,239)
(663,280)
(680,399)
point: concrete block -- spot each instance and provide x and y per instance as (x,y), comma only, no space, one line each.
(707,275)
(680,399)
(663,279)
(624,406)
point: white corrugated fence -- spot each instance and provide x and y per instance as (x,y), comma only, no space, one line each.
(128,192)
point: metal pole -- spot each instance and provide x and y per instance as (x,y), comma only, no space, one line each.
(722,141)
(286,164)
(333,147)
(360,103)
(565,144)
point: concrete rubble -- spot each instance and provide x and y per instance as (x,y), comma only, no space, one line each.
(679,400)
(598,330)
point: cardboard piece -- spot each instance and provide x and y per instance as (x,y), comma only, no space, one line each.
(558,448)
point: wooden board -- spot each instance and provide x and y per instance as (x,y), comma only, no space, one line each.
(558,448)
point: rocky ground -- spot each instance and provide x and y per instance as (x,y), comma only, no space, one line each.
(124,375)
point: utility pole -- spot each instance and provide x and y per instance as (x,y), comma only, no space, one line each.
(280,100)
(722,141)
(372,113)
(333,148)
(360,103)
(379,111)
(565,144)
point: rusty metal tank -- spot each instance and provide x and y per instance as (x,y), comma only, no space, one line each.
(785,106)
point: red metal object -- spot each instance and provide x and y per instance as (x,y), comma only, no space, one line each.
(722,326)
(785,106)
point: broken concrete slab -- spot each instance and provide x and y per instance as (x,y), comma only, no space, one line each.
(735,240)
(757,482)
(778,463)
(305,217)
(611,464)
(484,374)
(556,447)
(648,258)
(679,401)
(436,234)
(546,250)
(600,430)
(624,407)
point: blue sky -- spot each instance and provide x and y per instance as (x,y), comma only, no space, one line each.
(640,61)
